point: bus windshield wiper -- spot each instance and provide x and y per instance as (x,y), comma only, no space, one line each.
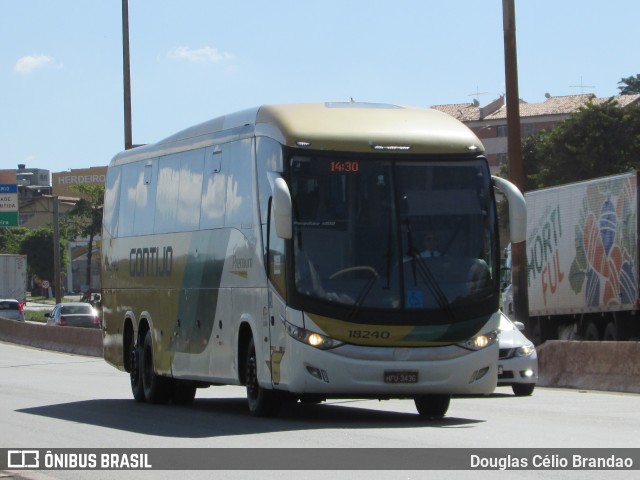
(386,262)
(419,266)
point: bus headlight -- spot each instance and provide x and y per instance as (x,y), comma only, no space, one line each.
(311,338)
(481,341)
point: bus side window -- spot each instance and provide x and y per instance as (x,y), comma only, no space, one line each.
(214,190)
(112,200)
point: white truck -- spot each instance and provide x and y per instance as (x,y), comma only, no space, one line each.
(582,255)
(13,277)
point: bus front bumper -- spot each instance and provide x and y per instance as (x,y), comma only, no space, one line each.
(352,370)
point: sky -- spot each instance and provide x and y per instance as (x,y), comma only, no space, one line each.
(61,80)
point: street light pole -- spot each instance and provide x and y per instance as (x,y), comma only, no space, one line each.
(128,137)
(514,148)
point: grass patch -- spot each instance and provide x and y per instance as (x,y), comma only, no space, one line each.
(36,315)
(49,300)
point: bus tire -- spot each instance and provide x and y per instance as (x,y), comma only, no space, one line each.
(261,402)
(156,387)
(183,393)
(135,374)
(432,406)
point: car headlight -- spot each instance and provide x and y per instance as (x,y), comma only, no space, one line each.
(313,339)
(525,350)
(481,341)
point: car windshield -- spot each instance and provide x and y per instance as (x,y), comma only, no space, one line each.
(76,310)
(389,234)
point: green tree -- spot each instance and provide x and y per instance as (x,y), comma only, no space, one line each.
(598,140)
(10,239)
(629,85)
(85,218)
(37,245)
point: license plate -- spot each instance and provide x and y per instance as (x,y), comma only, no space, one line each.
(401,377)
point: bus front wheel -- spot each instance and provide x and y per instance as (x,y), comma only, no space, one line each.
(432,406)
(262,402)
(183,393)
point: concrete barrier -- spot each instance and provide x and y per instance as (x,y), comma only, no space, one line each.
(80,341)
(610,366)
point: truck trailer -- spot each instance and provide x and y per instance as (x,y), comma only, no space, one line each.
(582,260)
(13,277)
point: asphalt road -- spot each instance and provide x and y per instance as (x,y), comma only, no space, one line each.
(54,400)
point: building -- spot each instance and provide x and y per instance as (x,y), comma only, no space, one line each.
(37,211)
(32,183)
(32,177)
(489,123)
(35,200)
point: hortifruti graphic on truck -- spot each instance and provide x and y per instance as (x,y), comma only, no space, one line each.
(582,246)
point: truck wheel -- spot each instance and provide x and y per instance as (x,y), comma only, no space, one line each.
(135,374)
(523,389)
(432,406)
(262,402)
(156,387)
(592,334)
(611,332)
(568,332)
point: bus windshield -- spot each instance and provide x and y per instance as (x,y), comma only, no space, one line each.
(394,233)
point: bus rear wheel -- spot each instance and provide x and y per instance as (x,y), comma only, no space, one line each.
(432,406)
(262,402)
(156,387)
(135,374)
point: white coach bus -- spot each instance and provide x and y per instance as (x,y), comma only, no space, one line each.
(281,248)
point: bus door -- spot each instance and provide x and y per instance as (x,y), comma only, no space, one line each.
(277,334)
(277,304)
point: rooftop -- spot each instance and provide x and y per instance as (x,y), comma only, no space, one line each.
(563,105)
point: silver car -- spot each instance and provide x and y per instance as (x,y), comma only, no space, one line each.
(74,314)
(11,309)
(518,362)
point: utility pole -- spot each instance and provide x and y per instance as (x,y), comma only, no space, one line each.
(128,137)
(56,250)
(514,148)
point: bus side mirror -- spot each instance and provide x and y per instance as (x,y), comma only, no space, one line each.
(281,207)
(517,209)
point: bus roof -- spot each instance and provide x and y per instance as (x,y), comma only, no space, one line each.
(338,126)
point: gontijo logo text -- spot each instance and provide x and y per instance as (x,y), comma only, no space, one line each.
(151,261)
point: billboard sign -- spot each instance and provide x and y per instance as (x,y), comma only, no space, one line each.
(63,182)
(8,199)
